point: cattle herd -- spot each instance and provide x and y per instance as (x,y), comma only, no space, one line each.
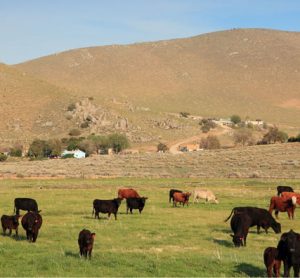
(242,218)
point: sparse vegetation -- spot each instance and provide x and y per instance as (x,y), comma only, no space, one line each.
(210,142)
(243,136)
(274,135)
(3,157)
(206,125)
(161,147)
(71,107)
(294,139)
(118,142)
(16,151)
(236,119)
(184,114)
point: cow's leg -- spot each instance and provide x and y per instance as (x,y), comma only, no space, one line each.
(140,211)
(127,208)
(258,228)
(286,268)
(17,231)
(81,251)
(34,236)
(269,271)
(10,230)
(90,253)
(277,268)
(109,215)
(296,270)
(276,214)
(27,235)
(131,210)
(4,230)
(115,215)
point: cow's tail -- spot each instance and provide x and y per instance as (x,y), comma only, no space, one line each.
(93,211)
(229,216)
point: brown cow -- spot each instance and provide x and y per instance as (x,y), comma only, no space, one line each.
(10,223)
(125,193)
(289,195)
(272,262)
(86,243)
(181,198)
(282,204)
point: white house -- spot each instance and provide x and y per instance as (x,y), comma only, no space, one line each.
(76,153)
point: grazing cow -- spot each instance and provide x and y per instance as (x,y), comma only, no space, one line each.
(10,223)
(106,206)
(240,224)
(289,195)
(289,252)
(171,193)
(272,261)
(281,204)
(125,193)
(205,194)
(86,242)
(282,188)
(32,222)
(181,198)
(25,204)
(136,203)
(260,218)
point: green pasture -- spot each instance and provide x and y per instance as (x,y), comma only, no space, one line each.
(162,241)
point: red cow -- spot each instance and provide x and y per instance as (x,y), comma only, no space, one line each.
(125,193)
(272,261)
(282,204)
(289,195)
(181,198)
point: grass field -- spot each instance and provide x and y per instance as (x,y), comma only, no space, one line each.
(162,241)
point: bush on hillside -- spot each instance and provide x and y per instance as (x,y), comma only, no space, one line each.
(16,151)
(274,135)
(243,137)
(184,114)
(161,147)
(3,157)
(71,107)
(210,142)
(207,124)
(87,146)
(118,142)
(236,119)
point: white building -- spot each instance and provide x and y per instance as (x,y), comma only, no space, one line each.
(76,153)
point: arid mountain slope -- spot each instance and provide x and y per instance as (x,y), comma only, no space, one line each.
(251,72)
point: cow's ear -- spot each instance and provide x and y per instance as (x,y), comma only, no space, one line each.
(232,235)
(93,235)
(283,237)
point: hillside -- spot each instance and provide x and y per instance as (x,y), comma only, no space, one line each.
(29,107)
(251,72)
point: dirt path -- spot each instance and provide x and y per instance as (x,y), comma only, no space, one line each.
(220,130)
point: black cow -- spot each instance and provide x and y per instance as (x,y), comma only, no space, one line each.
(135,203)
(10,223)
(282,188)
(32,222)
(289,252)
(240,224)
(106,206)
(86,242)
(171,193)
(25,204)
(260,218)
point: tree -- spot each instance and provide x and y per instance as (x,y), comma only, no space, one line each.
(101,143)
(3,157)
(161,147)
(118,142)
(39,148)
(207,124)
(235,119)
(274,135)
(87,146)
(210,142)
(16,151)
(55,147)
(243,136)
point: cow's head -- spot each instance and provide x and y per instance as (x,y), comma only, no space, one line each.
(276,227)
(238,241)
(143,200)
(90,240)
(31,222)
(216,201)
(118,201)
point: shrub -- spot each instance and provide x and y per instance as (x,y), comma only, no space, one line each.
(3,157)
(87,146)
(118,142)
(294,139)
(235,119)
(73,143)
(207,124)
(243,136)
(71,107)
(69,155)
(274,135)
(74,132)
(85,124)
(55,147)
(16,152)
(39,148)
(210,142)
(101,143)
(184,114)
(161,147)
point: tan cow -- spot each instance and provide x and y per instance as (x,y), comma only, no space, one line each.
(205,194)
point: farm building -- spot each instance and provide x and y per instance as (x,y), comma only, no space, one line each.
(75,153)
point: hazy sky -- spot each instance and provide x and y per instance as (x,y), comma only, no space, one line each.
(34,28)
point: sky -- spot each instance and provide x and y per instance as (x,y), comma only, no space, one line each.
(33,28)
